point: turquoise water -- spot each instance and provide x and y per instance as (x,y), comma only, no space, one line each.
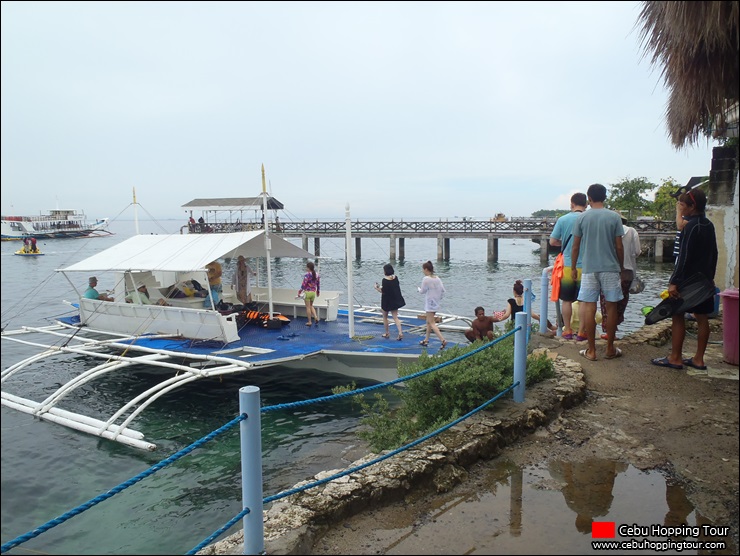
(48,470)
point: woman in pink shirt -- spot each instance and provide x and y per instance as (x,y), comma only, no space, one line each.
(311,287)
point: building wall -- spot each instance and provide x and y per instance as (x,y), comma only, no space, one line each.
(722,210)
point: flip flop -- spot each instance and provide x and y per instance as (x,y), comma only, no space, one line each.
(581,338)
(663,362)
(616,354)
(584,353)
(690,363)
(567,336)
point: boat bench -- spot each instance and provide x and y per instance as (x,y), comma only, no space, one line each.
(284,302)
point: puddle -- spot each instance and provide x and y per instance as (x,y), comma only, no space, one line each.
(543,509)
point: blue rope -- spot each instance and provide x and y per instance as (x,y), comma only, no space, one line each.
(394,452)
(389,383)
(219,532)
(112,492)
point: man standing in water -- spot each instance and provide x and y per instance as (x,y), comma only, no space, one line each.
(598,235)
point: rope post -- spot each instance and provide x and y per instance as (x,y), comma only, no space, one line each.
(250,435)
(528,304)
(520,355)
(545,293)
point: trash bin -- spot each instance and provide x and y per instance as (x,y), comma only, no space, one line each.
(730,326)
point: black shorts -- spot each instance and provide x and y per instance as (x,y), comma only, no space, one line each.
(706,307)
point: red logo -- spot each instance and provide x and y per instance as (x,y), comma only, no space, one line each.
(603,530)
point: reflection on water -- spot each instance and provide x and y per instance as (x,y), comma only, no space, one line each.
(588,488)
(548,509)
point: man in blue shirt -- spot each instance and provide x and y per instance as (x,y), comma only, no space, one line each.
(92,293)
(597,234)
(562,236)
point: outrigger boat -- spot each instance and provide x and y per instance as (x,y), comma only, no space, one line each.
(193,338)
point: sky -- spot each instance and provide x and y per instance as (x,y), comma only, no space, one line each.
(397,109)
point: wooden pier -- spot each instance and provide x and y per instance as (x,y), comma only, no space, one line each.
(657,235)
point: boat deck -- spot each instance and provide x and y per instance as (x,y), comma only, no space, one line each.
(326,347)
(263,347)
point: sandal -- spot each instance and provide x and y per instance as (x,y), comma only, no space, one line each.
(444,344)
(690,363)
(663,362)
(385,335)
(400,337)
(309,324)
(424,343)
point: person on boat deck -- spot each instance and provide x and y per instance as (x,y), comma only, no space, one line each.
(433,291)
(92,293)
(482,326)
(241,281)
(391,300)
(214,280)
(311,285)
(141,296)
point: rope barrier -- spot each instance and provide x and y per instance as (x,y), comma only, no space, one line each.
(121,487)
(185,451)
(391,382)
(392,453)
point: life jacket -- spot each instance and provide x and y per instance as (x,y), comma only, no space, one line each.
(259,318)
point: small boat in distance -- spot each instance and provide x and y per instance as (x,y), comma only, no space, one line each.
(24,253)
(56,224)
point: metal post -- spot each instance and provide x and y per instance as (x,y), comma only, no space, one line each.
(528,304)
(520,355)
(350,294)
(250,435)
(545,295)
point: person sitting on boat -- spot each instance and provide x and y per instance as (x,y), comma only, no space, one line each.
(26,244)
(92,293)
(34,248)
(482,326)
(141,296)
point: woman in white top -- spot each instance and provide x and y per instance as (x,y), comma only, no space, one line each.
(434,290)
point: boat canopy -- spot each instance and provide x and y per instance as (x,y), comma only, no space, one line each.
(184,253)
(233,204)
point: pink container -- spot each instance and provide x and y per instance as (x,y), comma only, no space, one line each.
(729,323)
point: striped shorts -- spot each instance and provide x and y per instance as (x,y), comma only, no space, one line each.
(595,283)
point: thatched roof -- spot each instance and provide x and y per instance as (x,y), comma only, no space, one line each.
(697,45)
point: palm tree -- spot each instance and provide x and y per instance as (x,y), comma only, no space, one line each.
(697,45)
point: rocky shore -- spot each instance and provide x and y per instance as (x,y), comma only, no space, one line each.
(682,422)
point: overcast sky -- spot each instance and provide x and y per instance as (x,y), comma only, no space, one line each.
(412,110)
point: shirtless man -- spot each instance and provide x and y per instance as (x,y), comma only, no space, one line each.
(482,326)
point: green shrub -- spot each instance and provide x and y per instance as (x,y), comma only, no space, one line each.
(433,400)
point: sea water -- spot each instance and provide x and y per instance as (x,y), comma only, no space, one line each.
(48,470)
